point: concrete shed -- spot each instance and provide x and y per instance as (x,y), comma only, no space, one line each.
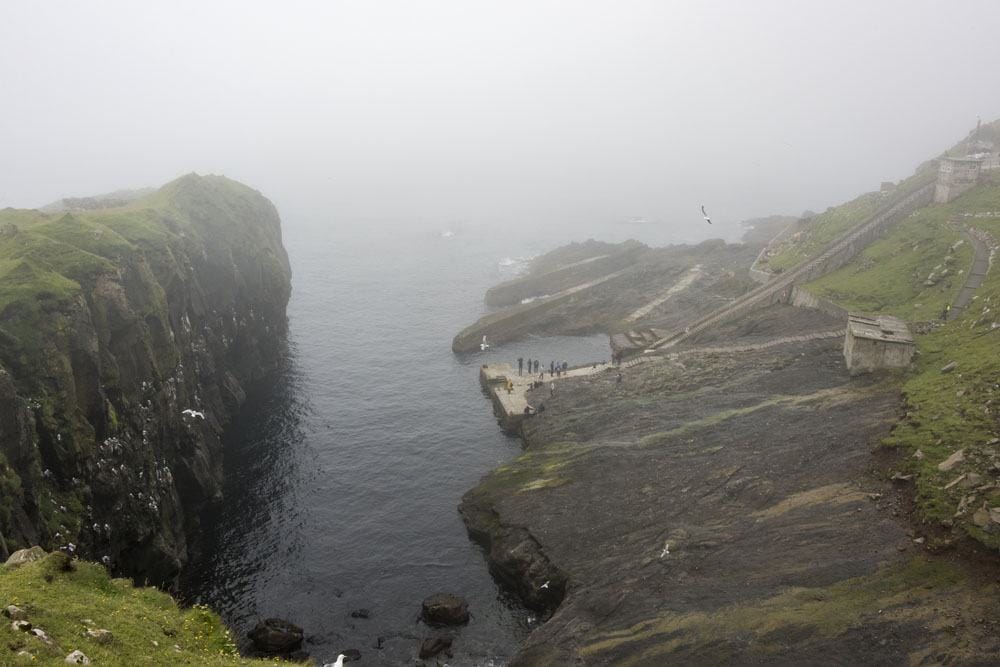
(874,342)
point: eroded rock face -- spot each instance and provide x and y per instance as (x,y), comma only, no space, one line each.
(445,609)
(177,303)
(275,636)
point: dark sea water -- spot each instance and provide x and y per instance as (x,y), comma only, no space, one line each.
(343,478)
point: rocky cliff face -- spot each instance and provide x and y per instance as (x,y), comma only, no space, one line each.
(128,338)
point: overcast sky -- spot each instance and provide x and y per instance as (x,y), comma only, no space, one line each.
(524,113)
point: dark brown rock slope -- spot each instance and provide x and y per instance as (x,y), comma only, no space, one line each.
(727,509)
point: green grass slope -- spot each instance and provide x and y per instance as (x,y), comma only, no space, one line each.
(945,411)
(147,626)
(821,230)
(890,275)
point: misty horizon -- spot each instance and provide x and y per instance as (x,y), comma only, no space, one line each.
(520,115)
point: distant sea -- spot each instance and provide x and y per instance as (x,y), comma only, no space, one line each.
(343,476)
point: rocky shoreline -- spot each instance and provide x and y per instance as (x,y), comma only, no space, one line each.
(727,503)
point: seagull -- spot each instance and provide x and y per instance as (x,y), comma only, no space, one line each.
(339,663)
(666,550)
(484,345)
(193,413)
(545,585)
(705,215)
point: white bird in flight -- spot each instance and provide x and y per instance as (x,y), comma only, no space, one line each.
(705,215)
(484,345)
(666,549)
(193,413)
(545,585)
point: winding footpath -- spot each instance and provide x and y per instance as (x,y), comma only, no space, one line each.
(984,247)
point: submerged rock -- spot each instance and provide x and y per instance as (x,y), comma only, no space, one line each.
(275,636)
(434,645)
(445,609)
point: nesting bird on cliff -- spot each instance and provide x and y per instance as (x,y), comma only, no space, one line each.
(339,663)
(705,215)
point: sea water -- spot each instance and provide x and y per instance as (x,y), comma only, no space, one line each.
(344,474)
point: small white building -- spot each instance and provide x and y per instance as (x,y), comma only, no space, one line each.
(874,342)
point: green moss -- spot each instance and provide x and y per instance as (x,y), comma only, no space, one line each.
(147,625)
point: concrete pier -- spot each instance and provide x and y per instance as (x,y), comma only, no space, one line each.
(509,406)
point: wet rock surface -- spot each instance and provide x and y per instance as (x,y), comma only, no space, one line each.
(432,646)
(726,508)
(445,609)
(275,636)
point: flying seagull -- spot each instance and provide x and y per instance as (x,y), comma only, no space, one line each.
(705,215)
(666,550)
(545,585)
(484,345)
(193,413)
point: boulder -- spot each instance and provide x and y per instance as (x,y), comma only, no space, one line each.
(434,645)
(949,367)
(77,658)
(361,613)
(445,609)
(275,636)
(101,636)
(21,626)
(15,613)
(952,461)
(26,556)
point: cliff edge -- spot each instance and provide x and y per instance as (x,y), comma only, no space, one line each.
(128,338)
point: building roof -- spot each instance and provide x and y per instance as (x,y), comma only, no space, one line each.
(968,159)
(880,327)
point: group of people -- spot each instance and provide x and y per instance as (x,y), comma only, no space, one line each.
(555,368)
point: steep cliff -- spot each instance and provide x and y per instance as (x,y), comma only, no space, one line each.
(128,338)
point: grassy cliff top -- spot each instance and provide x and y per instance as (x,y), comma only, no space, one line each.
(147,626)
(46,256)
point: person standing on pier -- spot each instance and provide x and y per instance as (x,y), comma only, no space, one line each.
(536,365)
(520,365)
(552,368)
(529,365)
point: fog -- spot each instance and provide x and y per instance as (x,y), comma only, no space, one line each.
(516,113)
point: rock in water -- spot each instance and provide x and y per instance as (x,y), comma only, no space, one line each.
(275,636)
(26,556)
(434,645)
(445,609)
(77,658)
